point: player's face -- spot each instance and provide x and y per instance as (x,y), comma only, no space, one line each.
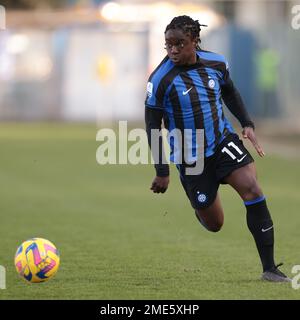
(181,48)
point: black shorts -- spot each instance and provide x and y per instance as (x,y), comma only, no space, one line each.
(202,189)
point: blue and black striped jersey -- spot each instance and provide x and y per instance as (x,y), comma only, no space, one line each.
(190,97)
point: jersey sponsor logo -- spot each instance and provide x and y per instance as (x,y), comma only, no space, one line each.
(241,159)
(265,230)
(187,91)
(149,89)
(201,197)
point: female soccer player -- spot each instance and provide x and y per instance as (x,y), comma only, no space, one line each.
(186,92)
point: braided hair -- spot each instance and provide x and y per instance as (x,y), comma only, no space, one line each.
(188,26)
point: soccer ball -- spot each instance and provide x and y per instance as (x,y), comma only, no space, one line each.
(37,260)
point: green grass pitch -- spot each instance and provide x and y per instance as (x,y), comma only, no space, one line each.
(117,240)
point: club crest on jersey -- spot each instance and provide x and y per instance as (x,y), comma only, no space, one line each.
(149,89)
(201,197)
(211,83)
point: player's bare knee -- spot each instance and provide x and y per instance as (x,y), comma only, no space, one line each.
(210,225)
(253,191)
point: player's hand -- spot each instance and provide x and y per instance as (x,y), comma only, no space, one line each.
(160,184)
(248,133)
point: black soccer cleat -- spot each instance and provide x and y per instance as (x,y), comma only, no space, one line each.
(275,275)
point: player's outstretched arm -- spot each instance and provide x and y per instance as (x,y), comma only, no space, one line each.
(153,120)
(234,103)
(160,184)
(248,133)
